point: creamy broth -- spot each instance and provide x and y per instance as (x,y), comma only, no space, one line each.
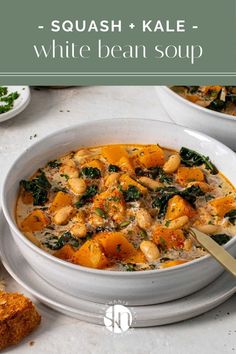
(126,207)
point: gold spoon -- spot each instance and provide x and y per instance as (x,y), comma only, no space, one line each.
(217,251)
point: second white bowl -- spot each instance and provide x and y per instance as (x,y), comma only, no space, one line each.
(183,112)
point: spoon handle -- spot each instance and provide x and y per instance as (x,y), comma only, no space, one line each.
(217,251)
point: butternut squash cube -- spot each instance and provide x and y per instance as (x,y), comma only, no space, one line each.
(60,200)
(222,205)
(137,257)
(115,245)
(168,238)
(90,255)
(151,156)
(173,263)
(177,207)
(186,175)
(113,153)
(125,165)
(66,253)
(35,221)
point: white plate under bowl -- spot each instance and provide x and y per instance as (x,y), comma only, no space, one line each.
(19,104)
(144,316)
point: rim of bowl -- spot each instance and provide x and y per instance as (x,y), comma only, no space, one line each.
(43,253)
(200,108)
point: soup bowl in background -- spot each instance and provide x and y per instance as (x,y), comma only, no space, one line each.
(103,286)
(219,125)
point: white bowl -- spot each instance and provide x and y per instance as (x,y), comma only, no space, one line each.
(220,126)
(136,288)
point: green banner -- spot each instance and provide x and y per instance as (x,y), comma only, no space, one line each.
(88,42)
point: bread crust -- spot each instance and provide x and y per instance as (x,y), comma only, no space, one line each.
(18,317)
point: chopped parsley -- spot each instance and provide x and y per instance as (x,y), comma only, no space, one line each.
(7,99)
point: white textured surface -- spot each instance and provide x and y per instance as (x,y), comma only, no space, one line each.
(214,332)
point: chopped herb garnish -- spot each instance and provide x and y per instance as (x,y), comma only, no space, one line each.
(100,213)
(39,187)
(167,223)
(124,224)
(143,234)
(192,158)
(91,172)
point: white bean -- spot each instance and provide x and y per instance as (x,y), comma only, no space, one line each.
(77,185)
(79,230)
(178,222)
(82,155)
(150,250)
(188,244)
(63,215)
(112,179)
(172,163)
(143,218)
(150,183)
(202,185)
(69,171)
(207,229)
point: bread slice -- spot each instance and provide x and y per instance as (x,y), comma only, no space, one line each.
(18,317)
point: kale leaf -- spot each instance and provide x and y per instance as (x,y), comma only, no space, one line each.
(154,172)
(91,191)
(166,193)
(39,187)
(217,105)
(55,243)
(193,158)
(221,239)
(131,194)
(91,172)
(231,215)
(54,164)
(113,168)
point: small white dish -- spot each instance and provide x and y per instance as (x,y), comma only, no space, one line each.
(143,316)
(19,104)
(220,126)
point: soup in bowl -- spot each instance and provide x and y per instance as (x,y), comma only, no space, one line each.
(104,209)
